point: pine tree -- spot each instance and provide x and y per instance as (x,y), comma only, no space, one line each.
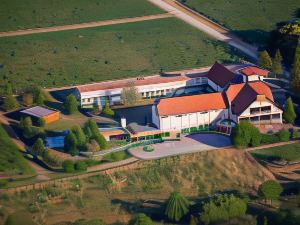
(71,104)
(295,81)
(80,136)
(38,147)
(176,206)
(265,60)
(277,63)
(70,143)
(289,113)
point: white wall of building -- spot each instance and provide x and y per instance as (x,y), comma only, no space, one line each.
(215,86)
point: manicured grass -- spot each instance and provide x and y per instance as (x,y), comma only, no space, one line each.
(111,52)
(15,14)
(11,160)
(251,20)
(67,122)
(289,152)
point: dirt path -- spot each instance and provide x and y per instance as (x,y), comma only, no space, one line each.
(83,25)
(204,24)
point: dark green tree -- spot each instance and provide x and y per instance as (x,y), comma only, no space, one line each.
(80,136)
(70,104)
(9,103)
(270,190)
(92,130)
(277,63)
(176,206)
(26,127)
(283,135)
(39,147)
(107,111)
(80,166)
(289,114)
(142,219)
(70,143)
(68,166)
(265,60)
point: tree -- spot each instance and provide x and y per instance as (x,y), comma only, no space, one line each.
(92,130)
(68,166)
(71,104)
(92,146)
(277,63)
(176,206)
(265,60)
(70,143)
(27,99)
(26,127)
(10,103)
(246,134)
(80,166)
(283,135)
(289,114)
(142,219)
(41,122)
(39,147)
(107,111)
(80,136)
(270,190)
(295,81)
(130,95)
(8,90)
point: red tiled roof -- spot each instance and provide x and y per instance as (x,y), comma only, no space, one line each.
(190,104)
(123,83)
(253,70)
(220,75)
(242,95)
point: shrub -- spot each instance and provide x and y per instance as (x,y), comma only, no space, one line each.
(92,146)
(283,135)
(107,111)
(296,134)
(289,114)
(70,104)
(70,143)
(3,183)
(269,139)
(245,135)
(26,127)
(10,103)
(142,219)
(52,159)
(27,99)
(80,166)
(68,166)
(39,147)
(270,190)
(176,206)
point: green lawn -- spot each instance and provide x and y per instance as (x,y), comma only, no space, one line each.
(16,14)
(110,52)
(289,152)
(251,20)
(11,160)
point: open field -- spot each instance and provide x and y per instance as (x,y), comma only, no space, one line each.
(119,196)
(251,20)
(15,14)
(111,52)
(289,153)
(11,160)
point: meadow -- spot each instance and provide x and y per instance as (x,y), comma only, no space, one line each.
(251,20)
(15,14)
(11,160)
(105,53)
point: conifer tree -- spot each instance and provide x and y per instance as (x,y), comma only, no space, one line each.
(277,63)
(289,113)
(265,60)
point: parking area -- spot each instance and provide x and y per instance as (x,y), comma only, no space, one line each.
(188,144)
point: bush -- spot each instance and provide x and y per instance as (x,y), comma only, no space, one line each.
(296,134)
(38,147)
(270,190)
(70,143)
(3,183)
(246,135)
(269,139)
(68,166)
(80,166)
(52,159)
(283,135)
(107,111)
(70,104)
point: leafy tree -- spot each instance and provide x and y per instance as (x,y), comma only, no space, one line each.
(283,135)
(265,60)
(277,63)
(27,99)
(270,190)
(142,219)
(176,206)
(246,134)
(107,111)
(26,127)
(10,103)
(130,94)
(289,113)
(71,104)
(80,136)
(39,147)
(38,96)
(68,166)
(70,143)
(80,166)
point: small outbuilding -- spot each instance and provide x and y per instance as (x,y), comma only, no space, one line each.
(38,112)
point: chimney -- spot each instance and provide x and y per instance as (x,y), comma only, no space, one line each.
(260,98)
(123,122)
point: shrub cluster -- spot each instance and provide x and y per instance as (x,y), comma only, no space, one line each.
(71,167)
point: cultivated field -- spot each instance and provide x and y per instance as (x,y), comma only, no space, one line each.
(118,197)
(15,14)
(111,52)
(11,160)
(251,20)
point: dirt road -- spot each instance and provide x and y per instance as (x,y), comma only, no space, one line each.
(83,25)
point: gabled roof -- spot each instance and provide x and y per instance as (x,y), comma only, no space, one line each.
(253,70)
(220,75)
(191,104)
(242,95)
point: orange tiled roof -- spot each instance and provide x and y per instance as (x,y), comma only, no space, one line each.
(137,82)
(253,70)
(190,104)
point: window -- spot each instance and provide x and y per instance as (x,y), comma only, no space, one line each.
(83,100)
(266,109)
(203,112)
(163,117)
(179,116)
(254,110)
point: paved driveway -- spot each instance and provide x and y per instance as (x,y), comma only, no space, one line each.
(188,144)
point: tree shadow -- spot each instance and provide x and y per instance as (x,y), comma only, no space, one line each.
(297,13)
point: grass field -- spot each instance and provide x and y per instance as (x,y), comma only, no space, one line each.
(11,160)
(251,20)
(15,14)
(111,52)
(289,153)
